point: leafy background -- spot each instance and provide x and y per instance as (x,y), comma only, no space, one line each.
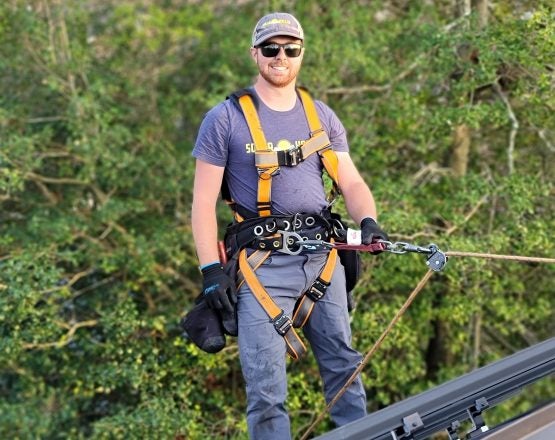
(450,120)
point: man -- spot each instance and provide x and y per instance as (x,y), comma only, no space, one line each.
(225,153)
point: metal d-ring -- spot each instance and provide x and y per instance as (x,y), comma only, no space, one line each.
(289,241)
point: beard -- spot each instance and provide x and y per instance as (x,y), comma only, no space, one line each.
(279,80)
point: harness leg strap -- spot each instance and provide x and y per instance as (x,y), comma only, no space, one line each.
(305,304)
(282,323)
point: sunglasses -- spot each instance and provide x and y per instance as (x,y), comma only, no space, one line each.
(292,50)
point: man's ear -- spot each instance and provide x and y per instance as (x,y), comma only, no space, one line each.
(254,53)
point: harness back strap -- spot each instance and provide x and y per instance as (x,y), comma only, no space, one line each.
(282,322)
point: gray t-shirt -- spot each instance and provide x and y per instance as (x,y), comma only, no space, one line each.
(224,140)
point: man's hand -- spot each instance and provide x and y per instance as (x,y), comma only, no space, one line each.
(371,232)
(218,288)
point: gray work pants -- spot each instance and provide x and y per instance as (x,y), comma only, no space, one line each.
(263,351)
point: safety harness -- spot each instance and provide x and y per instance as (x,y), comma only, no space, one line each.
(265,232)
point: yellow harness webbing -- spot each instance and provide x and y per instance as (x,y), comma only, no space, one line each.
(282,323)
(327,156)
(267,164)
(265,172)
(305,303)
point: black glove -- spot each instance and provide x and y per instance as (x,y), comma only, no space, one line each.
(371,232)
(218,288)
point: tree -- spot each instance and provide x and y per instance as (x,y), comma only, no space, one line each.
(99,106)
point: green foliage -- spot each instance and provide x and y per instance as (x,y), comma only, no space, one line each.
(99,107)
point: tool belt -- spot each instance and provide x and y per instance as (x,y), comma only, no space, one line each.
(279,232)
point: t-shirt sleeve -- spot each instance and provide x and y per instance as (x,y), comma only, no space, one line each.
(333,126)
(213,137)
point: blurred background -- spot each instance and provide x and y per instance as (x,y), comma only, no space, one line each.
(449,110)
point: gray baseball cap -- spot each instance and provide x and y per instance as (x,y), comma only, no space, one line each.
(276,24)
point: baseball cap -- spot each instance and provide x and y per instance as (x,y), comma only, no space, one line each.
(276,24)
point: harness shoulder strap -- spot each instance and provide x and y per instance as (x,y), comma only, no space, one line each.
(327,155)
(265,172)
(310,110)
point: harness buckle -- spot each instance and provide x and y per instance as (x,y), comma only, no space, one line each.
(282,323)
(317,290)
(293,157)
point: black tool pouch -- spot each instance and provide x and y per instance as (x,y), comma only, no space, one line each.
(207,327)
(203,326)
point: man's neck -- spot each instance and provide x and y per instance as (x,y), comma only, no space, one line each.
(277,98)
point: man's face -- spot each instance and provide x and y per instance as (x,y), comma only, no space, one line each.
(279,70)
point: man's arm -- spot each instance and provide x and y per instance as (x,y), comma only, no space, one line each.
(359,200)
(208,181)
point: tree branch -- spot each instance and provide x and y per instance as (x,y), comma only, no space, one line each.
(65,339)
(56,180)
(514,125)
(548,143)
(374,87)
(468,216)
(71,282)
(39,180)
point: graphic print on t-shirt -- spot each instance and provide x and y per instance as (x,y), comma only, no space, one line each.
(281,145)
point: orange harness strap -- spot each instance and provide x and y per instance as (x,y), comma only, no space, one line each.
(305,304)
(327,155)
(265,172)
(282,322)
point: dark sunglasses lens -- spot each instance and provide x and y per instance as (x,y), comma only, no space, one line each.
(270,51)
(291,50)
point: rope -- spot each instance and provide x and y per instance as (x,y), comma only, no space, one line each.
(500,257)
(377,344)
(400,313)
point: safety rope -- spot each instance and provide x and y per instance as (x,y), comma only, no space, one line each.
(377,344)
(404,248)
(500,257)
